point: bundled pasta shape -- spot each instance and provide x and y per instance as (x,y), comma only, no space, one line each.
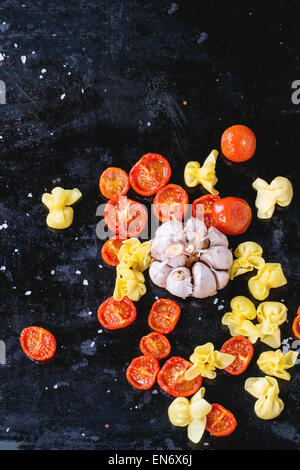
(249,257)
(135,255)
(129,282)
(205,360)
(192,414)
(280,192)
(270,316)
(275,363)
(268,277)
(205,175)
(239,319)
(58,202)
(268,404)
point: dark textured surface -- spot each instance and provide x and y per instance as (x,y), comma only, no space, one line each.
(122,65)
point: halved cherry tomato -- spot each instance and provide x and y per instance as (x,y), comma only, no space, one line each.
(37,343)
(242,349)
(170,203)
(110,250)
(142,372)
(201,208)
(220,422)
(164,316)
(150,174)
(114,182)
(238,143)
(113,314)
(171,378)
(156,345)
(231,215)
(125,217)
(296,324)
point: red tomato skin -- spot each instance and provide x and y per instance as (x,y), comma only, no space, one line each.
(125,232)
(238,143)
(105,254)
(151,317)
(223,212)
(157,354)
(37,357)
(296,326)
(226,349)
(209,428)
(207,198)
(101,309)
(124,176)
(183,205)
(147,158)
(132,365)
(172,391)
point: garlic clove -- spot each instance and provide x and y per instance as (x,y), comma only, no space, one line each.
(204,281)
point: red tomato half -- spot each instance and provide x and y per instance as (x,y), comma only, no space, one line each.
(114,182)
(296,324)
(231,215)
(171,203)
(220,422)
(37,343)
(238,143)
(113,314)
(125,217)
(164,316)
(156,345)
(150,174)
(110,250)
(171,378)
(242,349)
(202,207)
(142,372)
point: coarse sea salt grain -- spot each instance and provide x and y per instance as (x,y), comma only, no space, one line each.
(220,307)
(52,272)
(3,226)
(29,195)
(3,268)
(23,59)
(216,301)
(77,271)
(85,282)
(28,292)
(62,97)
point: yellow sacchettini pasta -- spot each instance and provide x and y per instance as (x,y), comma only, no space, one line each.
(249,257)
(129,282)
(266,390)
(205,175)
(239,319)
(58,201)
(205,360)
(270,316)
(280,192)
(268,277)
(135,254)
(183,412)
(275,363)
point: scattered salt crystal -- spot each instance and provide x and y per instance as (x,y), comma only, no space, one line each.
(82,90)
(3,225)
(90,313)
(23,59)
(148,124)
(100,331)
(3,268)
(55,386)
(100,266)
(92,344)
(107,391)
(43,71)
(216,301)
(28,292)
(33,53)
(29,195)
(155,392)
(52,272)
(77,271)
(85,282)
(1,57)
(156,298)
(62,97)
(7,429)
(16,250)
(220,307)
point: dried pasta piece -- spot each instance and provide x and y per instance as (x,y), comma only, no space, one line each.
(275,363)
(58,202)
(266,390)
(205,360)
(192,414)
(268,277)
(280,192)
(194,174)
(130,283)
(239,319)
(270,316)
(249,257)
(135,255)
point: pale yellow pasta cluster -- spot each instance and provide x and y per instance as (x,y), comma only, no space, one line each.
(205,360)
(205,175)
(192,414)
(275,363)
(270,316)
(280,192)
(268,277)
(268,404)
(60,214)
(249,257)
(134,259)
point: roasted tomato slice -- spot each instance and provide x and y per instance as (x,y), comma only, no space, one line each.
(114,182)
(125,217)
(142,372)
(113,314)
(156,345)
(171,378)
(220,422)
(164,316)
(242,349)
(150,174)
(231,215)
(201,208)
(296,324)
(110,250)
(238,143)
(170,203)
(37,343)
